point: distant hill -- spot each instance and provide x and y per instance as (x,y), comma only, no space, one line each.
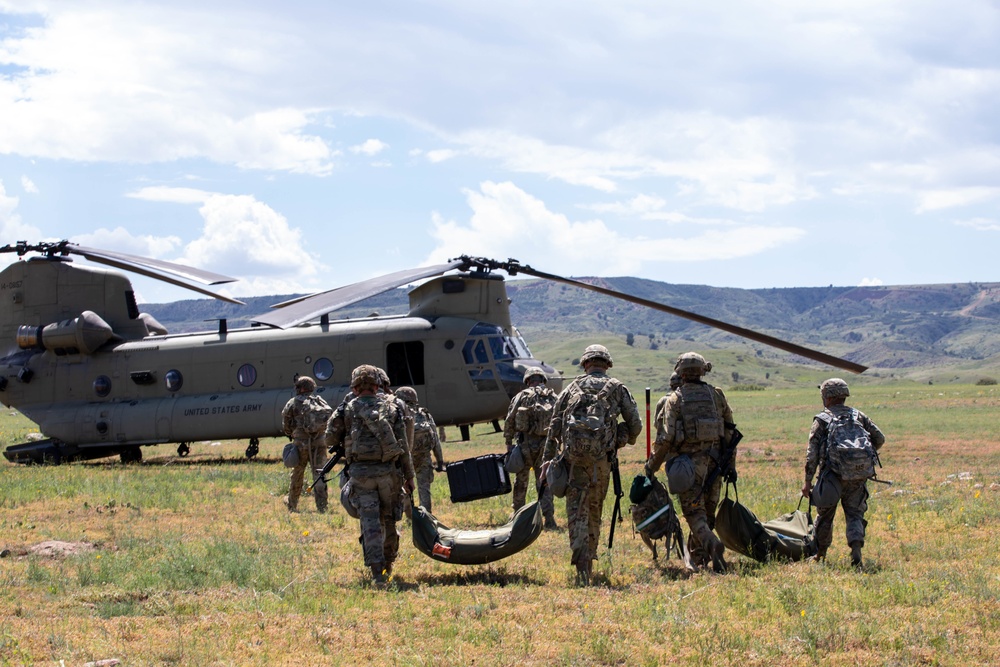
(902,328)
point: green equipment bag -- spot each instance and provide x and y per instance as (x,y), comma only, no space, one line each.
(789,537)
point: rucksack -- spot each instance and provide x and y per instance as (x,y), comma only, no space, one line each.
(535,413)
(372,437)
(423,431)
(849,451)
(315,414)
(587,415)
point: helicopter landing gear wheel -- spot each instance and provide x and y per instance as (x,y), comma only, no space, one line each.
(253,448)
(131,455)
(183,449)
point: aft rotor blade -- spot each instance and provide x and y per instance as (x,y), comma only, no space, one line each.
(135,268)
(130,262)
(298,311)
(815,355)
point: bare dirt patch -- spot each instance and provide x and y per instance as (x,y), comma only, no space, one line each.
(53,549)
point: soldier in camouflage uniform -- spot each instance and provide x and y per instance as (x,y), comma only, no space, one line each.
(425,442)
(854,494)
(534,405)
(303,419)
(378,458)
(590,467)
(692,420)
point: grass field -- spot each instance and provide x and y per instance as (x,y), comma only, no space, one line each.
(195,561)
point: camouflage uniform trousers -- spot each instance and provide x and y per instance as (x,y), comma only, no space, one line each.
(588,486)
(375,493)
(424,473)
(699,509)
(532,449)
(854,500)
(312,453)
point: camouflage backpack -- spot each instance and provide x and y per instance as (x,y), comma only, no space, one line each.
(423,431)
(372,437)
(315,414)
(849,451)
(587,418)
(535,412)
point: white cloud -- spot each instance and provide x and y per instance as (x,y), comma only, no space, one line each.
(163,193)
(940,199)
(121,240)
(245,238)
(12,227)
(28,185)
(508,222)
(369,147)
(441,155)
(980,224)
(869,282)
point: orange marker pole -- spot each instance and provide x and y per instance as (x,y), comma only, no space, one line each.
(649,449)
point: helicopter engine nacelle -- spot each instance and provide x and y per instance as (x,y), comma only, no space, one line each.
(84,334)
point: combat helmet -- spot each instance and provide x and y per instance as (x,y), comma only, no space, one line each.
(305,383)
(692,363)
(407,395)
(535,372)
(383,378)
(834,388)
(363,374)
(596,352)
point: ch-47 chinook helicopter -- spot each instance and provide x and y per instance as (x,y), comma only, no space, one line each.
(100,378)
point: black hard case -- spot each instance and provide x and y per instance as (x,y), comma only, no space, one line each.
(479,477)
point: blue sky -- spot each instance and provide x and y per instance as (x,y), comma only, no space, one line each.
(299,146)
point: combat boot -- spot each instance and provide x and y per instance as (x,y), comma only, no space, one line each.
(818,557)
(719,565)
(550,523)
(378,573)
(583,573)
(292,507)
(856,555)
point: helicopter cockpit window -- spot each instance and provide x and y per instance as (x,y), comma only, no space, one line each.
(102,385)
(247,375)
(323,369)
(173,379)
(483,380)
(502,347)
(474,352)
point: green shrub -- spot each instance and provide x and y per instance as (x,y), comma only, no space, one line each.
(986,381)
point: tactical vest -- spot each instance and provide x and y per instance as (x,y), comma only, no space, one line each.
(589,419)
(700,424)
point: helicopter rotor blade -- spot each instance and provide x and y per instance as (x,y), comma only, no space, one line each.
(145,266)
(513,267)
(125,261)
(303,309)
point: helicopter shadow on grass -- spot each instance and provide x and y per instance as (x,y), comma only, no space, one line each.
(161,462)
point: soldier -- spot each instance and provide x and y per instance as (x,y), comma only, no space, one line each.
(528,420)
(585,427)
(692,421)
(304,420)
(378,459)
(854,492)
(425,442)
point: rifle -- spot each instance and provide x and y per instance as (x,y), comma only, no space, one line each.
(616,514)
(725,460)
(338,455)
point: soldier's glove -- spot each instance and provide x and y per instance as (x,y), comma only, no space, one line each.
(730,475)
(648,471)
(440,466)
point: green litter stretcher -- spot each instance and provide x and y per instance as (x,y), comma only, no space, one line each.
(475,547)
